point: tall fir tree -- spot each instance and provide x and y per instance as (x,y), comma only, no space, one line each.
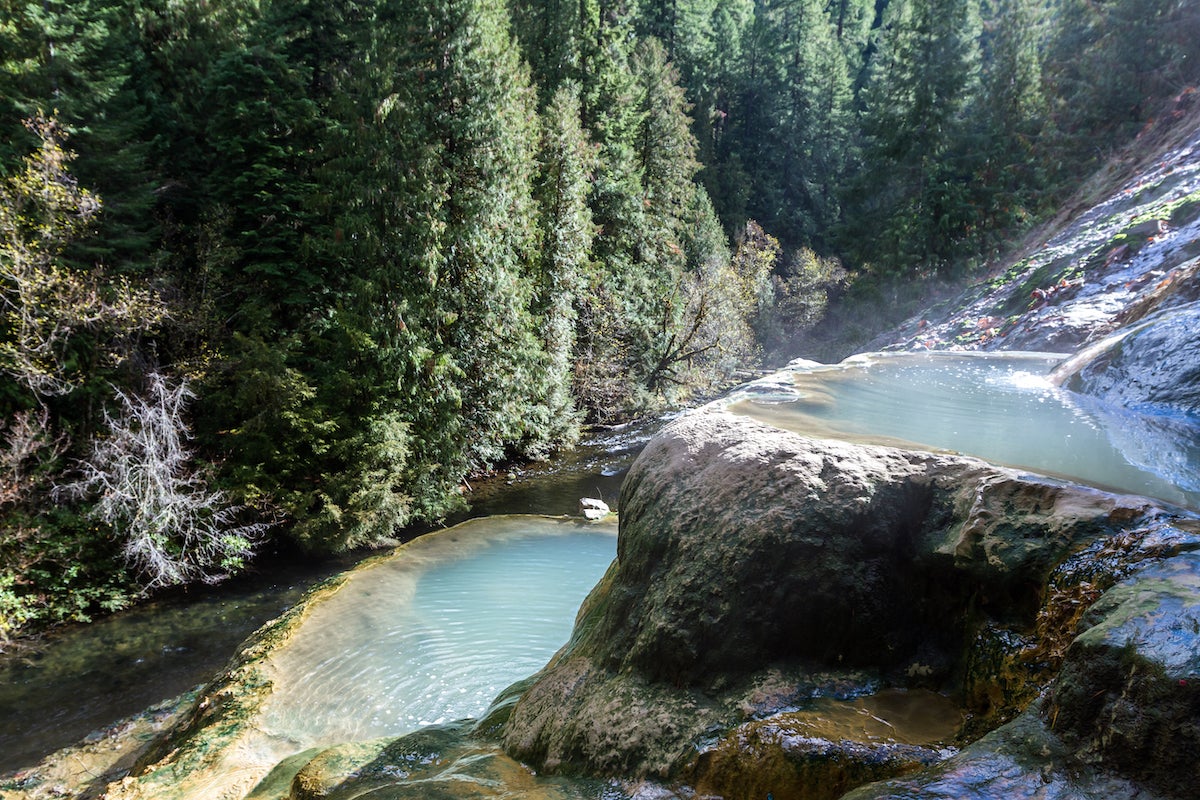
(445,222)
(912,195)
(1011,123)
(282,398)
(1110,62)
(566,231)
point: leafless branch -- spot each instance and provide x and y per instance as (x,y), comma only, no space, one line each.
(141,476)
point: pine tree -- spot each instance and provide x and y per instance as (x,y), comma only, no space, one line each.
(919,167)
(446,222)
(566,233)
(1012,116)
(1110,62)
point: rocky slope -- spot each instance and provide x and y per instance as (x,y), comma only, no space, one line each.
(1125,247)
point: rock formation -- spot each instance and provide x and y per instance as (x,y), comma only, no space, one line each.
(750,557)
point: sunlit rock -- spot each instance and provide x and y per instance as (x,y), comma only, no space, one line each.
(825,564)
(1151,366)
(1128,695)
(592,508)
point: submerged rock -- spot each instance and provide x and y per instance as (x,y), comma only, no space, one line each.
(827,749)
(809,559)
(435,763)
(1023,759)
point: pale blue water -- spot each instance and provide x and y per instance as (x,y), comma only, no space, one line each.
(434,634)
(997,406)
(91,676)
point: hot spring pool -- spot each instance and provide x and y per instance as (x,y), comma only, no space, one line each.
(435,632)
(1001,407)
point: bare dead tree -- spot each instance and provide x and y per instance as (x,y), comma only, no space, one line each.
(145,485)
(28,444)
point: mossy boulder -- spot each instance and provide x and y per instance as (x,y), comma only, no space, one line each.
(1128,694)
(744,549)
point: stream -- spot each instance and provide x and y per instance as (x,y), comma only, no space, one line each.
(89,676)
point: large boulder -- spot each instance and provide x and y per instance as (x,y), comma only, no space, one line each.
(1128,695)
(750,556)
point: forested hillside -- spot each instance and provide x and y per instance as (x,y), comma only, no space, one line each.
(295,269)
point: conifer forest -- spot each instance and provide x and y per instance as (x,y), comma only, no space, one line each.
(289,273)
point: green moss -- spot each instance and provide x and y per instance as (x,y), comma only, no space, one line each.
(1176,211)
(219,715)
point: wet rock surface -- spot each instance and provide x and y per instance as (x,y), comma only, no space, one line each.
(436,763)
(1128,695)
(1023,760)
(815,556)
(1151,366)
(828,748)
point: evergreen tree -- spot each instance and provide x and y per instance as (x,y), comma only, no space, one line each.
(76,60)
(808,144)
(270,278)
(566,233)
(713,91)
(1009,125)
(446,225)
(1110,62)
(553,35)
(912,196)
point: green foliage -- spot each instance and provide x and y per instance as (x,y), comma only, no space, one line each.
(54,566)
(54,314)
(385,254)
(1110,62)
(915,193)
(566,232)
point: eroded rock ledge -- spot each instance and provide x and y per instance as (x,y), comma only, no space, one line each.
(757,569)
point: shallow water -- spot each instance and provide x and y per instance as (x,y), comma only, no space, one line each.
(998,406)
(435,633)
(94,675)
(916,716)
(90,676)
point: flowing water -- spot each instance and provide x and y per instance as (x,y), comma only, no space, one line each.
(1001,407)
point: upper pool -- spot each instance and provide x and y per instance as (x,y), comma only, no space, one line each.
(1002,407)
